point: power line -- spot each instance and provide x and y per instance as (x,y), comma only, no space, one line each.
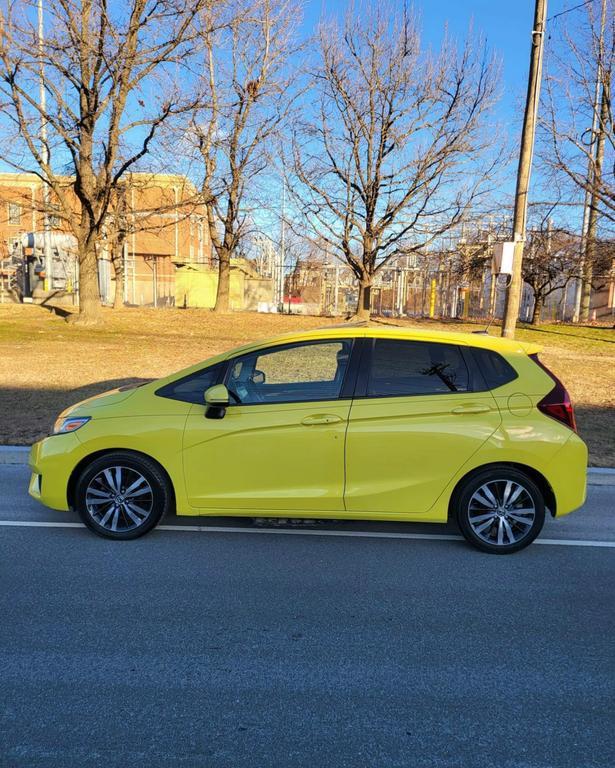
(568,10)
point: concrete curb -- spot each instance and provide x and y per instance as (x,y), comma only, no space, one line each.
(14,454)
(600,476)
(18,454)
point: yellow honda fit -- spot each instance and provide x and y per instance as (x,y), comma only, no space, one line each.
(348,423)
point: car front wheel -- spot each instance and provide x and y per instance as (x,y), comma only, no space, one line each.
(500,510)
(122,495)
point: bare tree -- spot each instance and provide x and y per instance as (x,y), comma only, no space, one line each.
(583,55)
(147,205)
(109,81)
(303,270)
(391,155)
(114,236)
(245,98)
(578,131)
(550,262)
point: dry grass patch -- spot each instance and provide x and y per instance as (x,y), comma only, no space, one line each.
(47,364)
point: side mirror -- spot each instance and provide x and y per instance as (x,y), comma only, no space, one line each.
(258,377)
(216,400)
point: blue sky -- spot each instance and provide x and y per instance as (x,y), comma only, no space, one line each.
(506,25)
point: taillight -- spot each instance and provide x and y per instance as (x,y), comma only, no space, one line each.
(557,403)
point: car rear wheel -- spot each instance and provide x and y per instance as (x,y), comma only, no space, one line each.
(122,495)
(500,510)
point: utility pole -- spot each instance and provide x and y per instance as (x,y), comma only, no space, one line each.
(44,151)
(592,220)
(282,260)
(582,297)
(590,163)
(513,294)
(336,289)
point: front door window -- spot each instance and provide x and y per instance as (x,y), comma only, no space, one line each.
(291,374)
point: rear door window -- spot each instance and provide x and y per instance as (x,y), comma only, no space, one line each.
(401,368)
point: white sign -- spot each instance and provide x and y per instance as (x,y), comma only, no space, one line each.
(503,254)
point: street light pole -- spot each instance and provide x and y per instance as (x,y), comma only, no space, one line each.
(44,151)
(513,294)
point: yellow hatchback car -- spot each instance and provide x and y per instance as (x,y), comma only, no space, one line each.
(346,422)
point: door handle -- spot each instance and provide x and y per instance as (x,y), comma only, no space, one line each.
(321,418)
(471,409)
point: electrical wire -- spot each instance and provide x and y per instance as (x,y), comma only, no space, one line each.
(568,10)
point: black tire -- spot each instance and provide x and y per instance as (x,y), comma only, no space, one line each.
(127,515)
(504,529)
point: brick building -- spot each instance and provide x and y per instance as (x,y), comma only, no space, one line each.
(162,229)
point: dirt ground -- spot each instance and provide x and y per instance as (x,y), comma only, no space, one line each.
(46,364)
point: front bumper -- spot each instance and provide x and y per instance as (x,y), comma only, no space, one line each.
(52,461)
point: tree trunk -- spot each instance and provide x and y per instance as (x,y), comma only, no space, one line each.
(89,291)
(586,291)
(536,312)
(224,281)
(117,259)
(365,295)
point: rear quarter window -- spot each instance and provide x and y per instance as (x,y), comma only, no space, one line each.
(490,369)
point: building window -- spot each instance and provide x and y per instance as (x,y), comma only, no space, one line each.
(14,214)
(54,219)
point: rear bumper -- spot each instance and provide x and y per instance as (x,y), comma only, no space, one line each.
(567,475)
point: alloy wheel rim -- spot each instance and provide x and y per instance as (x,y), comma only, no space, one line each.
(501,512)
(119,499)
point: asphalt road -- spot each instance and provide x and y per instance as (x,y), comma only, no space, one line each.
(232,649)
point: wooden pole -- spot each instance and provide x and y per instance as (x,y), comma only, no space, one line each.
(513,294)
(591,177)
(592,222)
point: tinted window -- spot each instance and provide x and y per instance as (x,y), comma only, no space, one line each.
(294,373)
(191,389)
(493,368)
(415,368)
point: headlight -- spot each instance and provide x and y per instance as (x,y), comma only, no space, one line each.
(67,424)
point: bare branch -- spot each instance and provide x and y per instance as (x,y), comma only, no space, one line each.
(395,152)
